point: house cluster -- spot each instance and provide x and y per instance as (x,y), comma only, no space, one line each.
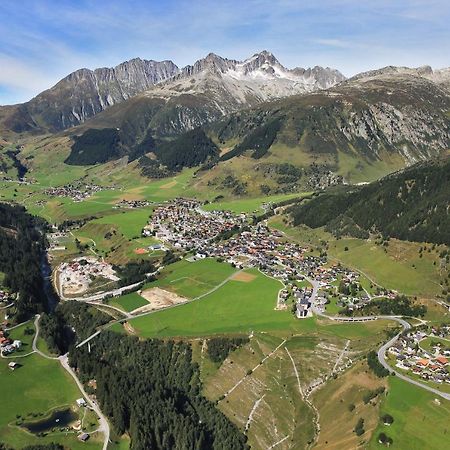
(183,224)
(431,365)
(76,192)
(132,204)
(76,276)
(344,284)
(8,345)
(5,297)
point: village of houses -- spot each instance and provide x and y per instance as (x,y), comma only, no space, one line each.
(183,225)
(77,192)
(7,345)
(430,365)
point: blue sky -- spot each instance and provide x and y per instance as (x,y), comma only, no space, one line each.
(44,40)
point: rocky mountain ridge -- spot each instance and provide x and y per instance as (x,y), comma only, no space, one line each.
(84,93)
(235,83)
(230,85)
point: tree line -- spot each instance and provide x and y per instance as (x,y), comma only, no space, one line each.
(151,390)
(410,205)
(22,248)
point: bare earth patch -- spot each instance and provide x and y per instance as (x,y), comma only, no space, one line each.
(128,328)
(158,299)
(244,277)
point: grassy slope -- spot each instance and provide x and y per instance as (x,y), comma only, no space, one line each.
(128,222)
(36,387)
(419,422)
(191,279)
(249,205)
(392,269)
(333,401)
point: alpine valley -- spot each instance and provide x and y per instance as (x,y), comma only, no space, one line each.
(227,255)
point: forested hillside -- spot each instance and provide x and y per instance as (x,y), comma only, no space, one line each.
(411,205)
(190,149)
(21,249)
(151,390)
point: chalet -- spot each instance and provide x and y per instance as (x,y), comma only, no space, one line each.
(83,437)
(81,402)
(13,365)
(423,362)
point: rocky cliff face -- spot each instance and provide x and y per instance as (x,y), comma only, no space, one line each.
(210,89)
(386,112)
(218,84)
(256,79)
(85,93)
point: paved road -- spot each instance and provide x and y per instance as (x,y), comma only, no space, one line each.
(382,359)
(104,424)
(64,360)
(7,306)
(382,350)
(36,335)
(16,326)
(110,324)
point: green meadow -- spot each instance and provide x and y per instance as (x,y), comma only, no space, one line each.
(420,422)
(236,307)
(399,268)
(128,302)
(191,279)
(128,222)
(34,389)
(25,334)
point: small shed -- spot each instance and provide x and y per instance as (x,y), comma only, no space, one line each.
(13,365)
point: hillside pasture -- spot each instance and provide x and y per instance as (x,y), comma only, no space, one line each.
(128,222)
(399,268)
(32,391)
(419,420)
(192,279)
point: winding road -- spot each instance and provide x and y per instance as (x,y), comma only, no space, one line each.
(64,360)
(382,350)
(103,421)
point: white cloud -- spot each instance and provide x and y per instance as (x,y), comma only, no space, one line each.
(339,43)
(16,74)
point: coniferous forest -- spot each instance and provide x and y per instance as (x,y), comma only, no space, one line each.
(22,247)
(411,205)
(151,390)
